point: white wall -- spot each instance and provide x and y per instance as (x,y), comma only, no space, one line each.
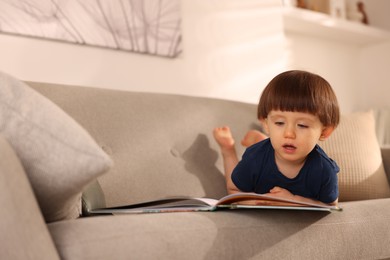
(231,49)
(375,76)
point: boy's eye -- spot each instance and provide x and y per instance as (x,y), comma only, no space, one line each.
(279,123)
(302,126)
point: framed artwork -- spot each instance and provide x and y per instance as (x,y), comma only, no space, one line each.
(143,26)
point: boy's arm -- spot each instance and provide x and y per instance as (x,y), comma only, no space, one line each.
(225,140)
(230,161)
(283,193)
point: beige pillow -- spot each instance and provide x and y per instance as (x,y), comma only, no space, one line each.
(58,155)
(354,146)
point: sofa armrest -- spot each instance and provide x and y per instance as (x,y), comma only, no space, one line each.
(23,232)
(386,160)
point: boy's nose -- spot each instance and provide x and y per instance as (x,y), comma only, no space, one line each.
(289,133)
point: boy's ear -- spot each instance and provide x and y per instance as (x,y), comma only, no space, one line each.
(264,123)
(326,132)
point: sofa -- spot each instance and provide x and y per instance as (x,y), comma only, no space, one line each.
(68,149)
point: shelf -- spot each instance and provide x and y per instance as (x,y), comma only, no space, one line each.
(324,26)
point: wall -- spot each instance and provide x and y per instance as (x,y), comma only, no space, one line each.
(232,48)
(375,79)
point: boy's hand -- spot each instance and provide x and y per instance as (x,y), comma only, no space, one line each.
(281,193)
(224,137)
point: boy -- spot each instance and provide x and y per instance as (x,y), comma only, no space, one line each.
(296,109)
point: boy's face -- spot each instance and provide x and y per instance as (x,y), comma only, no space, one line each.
(293,135)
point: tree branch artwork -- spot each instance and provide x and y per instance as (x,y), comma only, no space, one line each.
(143,26)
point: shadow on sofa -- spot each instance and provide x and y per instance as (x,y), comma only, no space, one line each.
(200,160)
(261,234)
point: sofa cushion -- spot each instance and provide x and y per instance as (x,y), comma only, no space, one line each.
(355,148)
(231,234)
(23,232)
(58,155)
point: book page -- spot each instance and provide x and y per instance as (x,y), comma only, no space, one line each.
(253,199)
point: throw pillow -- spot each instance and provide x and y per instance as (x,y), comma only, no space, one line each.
(58,155)
(355,148)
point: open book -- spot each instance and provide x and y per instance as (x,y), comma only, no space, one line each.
(232,201)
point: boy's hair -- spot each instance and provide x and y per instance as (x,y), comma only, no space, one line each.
(300,91)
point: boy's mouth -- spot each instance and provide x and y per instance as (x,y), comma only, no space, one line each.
(289,147)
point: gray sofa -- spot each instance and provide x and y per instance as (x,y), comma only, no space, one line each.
(161,145)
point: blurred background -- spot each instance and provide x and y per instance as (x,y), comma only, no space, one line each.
(223,49)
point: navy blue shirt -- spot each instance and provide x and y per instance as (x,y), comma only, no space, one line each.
(257,172)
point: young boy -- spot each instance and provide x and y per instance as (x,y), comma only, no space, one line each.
(296,109)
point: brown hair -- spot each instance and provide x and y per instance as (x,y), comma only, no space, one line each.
(300,91)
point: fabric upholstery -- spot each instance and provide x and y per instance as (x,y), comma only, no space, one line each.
(361,231)
(59,156)
(354,146)
(23,232)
